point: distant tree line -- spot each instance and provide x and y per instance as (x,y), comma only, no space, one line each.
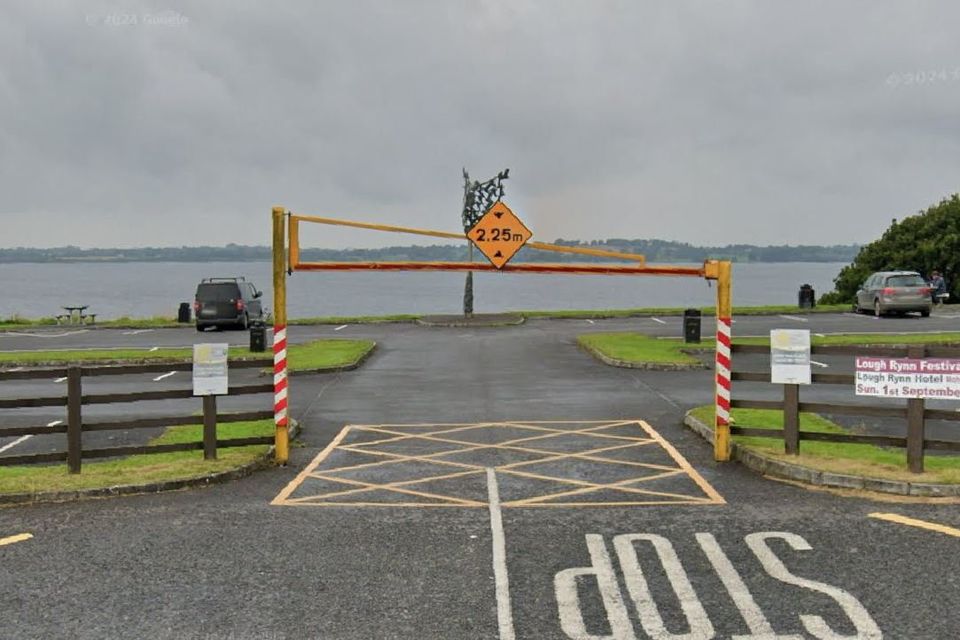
(654,250)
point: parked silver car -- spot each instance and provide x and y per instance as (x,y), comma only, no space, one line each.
(893,291)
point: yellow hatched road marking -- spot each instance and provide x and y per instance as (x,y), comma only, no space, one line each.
(920,524)
(445,434)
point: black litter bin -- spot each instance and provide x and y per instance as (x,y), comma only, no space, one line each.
(258,337)
(807,297)
(691,325)
(183,314)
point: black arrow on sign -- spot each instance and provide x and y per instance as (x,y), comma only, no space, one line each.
(498,255)
(499,214)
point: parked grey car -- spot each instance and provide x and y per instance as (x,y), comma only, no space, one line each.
(893,291)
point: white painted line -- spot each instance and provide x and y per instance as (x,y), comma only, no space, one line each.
(343,326)
(166,375)
(590,321)
(501,578)
(15,369)
(819,364)
(752,614)
(795,318)
(658,320)
(18,334)
(155,349)
(820,335)
(63,379)
(14,443)
(136,332)
(54,423)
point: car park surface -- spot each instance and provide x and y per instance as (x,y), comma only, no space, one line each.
(230,562)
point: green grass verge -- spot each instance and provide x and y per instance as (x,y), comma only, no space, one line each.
(143,469)
(636,347)
(158,322)
(837,457)
(317,354)
(639,348)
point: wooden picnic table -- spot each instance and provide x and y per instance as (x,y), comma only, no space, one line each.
(75,315)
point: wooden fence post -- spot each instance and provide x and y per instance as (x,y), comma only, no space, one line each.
(791,419)
(74,419)
(916,427)
(209,427)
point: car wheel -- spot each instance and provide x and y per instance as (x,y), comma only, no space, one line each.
(925,313)
(877,309)
(200,328)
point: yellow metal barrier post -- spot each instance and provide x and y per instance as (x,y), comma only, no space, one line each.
(280,390)
(721,433)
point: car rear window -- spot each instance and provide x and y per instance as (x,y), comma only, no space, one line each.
(218,292)
(905,281)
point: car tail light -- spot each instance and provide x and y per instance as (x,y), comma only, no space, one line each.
(924,291)
(888,291)
(240,305)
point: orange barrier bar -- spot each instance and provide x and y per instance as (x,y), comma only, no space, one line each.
(522,267)
(540,246)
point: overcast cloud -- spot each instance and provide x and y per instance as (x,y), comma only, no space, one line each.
(130,124)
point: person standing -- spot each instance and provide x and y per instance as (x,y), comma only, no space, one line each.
(938,287)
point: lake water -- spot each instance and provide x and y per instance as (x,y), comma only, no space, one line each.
(143,289)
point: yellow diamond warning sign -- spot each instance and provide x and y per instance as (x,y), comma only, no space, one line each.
(499,234)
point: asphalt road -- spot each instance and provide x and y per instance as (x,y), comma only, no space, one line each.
(496,483)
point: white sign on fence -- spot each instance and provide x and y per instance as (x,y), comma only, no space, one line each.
(210,369)
(790,356)
(908,378)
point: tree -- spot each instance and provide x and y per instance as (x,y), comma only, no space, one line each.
(923,242)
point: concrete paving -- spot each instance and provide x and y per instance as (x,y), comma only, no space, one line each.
(740,556)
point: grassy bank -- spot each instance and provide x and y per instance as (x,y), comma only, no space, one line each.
(837,457)
(143,469)
(318,354)
(640,348)
(18,322)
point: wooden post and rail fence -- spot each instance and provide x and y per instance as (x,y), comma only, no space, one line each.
(914,412)
(75,400)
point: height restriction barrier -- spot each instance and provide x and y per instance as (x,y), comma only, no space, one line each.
(498,235)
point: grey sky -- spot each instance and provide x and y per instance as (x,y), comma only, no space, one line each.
(706,122)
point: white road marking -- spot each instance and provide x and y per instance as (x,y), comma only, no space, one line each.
(568,596)
(136,332)
(820,335)
(819,364)
(63,379)
(501,577)
(14,443)
(749,610)
(815,625)
(343,326)
(161,377)
(795,318)
(155,349)
(590,321)
(17,334)
(658,320)
(15,369)
(54,423)
(650,619)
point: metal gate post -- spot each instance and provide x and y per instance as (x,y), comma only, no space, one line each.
(721,431)
(280,391)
